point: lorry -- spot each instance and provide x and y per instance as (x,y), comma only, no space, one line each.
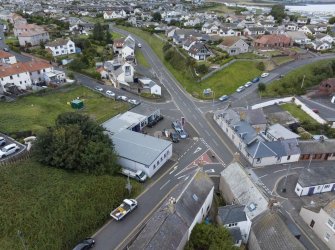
(126,207)
(139,175)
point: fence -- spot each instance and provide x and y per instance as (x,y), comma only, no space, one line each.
(16,158)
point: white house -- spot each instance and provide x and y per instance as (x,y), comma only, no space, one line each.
(150,86)
(315,180)
(320,45)
(299,37)
(7,58)
(302,20)
(199,51)
(115,14)
(306,30)
(37,70)
(325,38)
(61,46)
(234,45)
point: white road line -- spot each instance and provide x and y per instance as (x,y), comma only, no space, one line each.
(174,169)
(263,176)
(279,170)
(164,184)
(181,176)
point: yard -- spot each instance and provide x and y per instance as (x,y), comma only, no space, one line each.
(297,112)
(37,111)
(52,208)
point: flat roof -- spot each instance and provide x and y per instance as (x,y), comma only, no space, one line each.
(141,148)
(115,125)
(316,176)
(144,109)
(131,117)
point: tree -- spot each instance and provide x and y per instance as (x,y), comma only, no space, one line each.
(261,87)
(108,37)
(260,66)
(202,69)
(278,12)
(156,17)
(97,33)
(205,236)
(331,20)
(77,143)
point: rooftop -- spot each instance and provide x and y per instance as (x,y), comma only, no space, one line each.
(144,109)
(316,176)
(317,147)
(231,214)
(115,125)
(330,208)
(280,132)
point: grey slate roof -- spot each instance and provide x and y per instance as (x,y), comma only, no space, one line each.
(235,232)
(317,147)
(279,131)
(272,233)
(138,147)
(144,109)
(316,176)
(231,214)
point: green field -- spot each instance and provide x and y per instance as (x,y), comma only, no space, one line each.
(141,60)
(54,209)
(39,110)
(297,112)
(282,59)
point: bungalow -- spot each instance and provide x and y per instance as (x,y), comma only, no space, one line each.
(307,29)
(199,51)
(298,37)
(115,14)
(254,31)
(61,46)
(324,38)
(320,45)
(226,31)
(234,45)
(149,86)
(302,21)
(273,41)
(291,26)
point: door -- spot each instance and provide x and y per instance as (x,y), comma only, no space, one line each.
(326,156)
(311,190)
(333,189)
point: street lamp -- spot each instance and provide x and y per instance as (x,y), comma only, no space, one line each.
(285,182)
(213,99)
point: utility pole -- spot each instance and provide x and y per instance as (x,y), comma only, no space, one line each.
(303,80)
(285,182)
(213,99)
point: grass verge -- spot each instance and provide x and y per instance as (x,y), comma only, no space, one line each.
(297,112)
(141,60)
(54,209)
(39,110)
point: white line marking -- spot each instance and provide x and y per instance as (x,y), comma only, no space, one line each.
(210,170)
(197,150)
(164,184)
(279,170)
(181,176)
(263,176)
(187,178)
(174,169)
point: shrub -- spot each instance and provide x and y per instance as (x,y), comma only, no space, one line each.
(260,66)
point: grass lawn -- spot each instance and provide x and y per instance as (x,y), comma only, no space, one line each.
(37,111)
(53,208)
(282,59)
(248,55)
(227,80)
(141,59)
(116,35)
(297,112)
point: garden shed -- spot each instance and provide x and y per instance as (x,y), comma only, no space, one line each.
(77,104)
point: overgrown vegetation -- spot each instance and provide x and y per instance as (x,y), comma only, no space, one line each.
(212,237)
(299,80)
(52,208)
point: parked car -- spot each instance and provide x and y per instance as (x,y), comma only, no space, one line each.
(122,98)
(8,150)
(264,75)
(138,175)
(248,84)
(133,101)
(174,137)
(85,244)
(240,89)
(2,141)
(316,111)
(178,128)
(223,98)
(159,118)
(98,88)
(256,79)
(139,45)
(6,49)
(110,93)
(152,123)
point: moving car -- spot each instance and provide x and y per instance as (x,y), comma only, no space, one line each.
(2,141)
(248,84)
(126,207)
(8,150)
(223,98)
(264,75)
(139,45)
(139,175)
(99,88)
(240,89)
(85,244)
(174,137)
(110,93)
(256,79)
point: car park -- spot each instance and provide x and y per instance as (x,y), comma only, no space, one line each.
(122,98)
(248,84)
(2,141)
(110,93)
(98,88)
(256,79)
(264,75)
(174,137)
(87,243)
(133,101)
(223,98)
(240,89)
(8,150)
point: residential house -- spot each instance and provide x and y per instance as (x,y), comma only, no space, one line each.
(171,225)
(234,45)
(211,27)
(193,22)
(33,37)
(118,45)
(317,150)
(301,21)
(315,180)
(252,141)
(115,14)
(291,26)
(273,41)
(149,86)
(7,58)
(254,31)
(319,45)
(321,219)
(169,32)
(23,28)
(324,38)
(278,132)
(199,51)
(60,47)
(120,72)
(307,29)
(128,49)
(299,37)
(103,72)
(234,217)
(187,43)
(327,86)
(181,34)
(227,31)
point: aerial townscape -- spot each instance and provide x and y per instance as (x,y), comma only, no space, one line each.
(167,124)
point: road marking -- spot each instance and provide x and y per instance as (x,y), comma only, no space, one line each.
(263,176)
(180,177)
(210,171)
(280,170)
(174,169)
(197,150)
(164,184)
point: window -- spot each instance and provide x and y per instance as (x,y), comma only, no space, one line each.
(157,162)
(288,157)
(154,166)
(161,158)
(330,223)
(18,75)
(11,77)
(21,82)
(327,186)
(258,160)
(43,70)
(327,236)
(312,224)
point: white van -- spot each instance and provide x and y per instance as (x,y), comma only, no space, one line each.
(136,174)
(8,150)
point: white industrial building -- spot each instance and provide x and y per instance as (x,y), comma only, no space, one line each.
(136,150)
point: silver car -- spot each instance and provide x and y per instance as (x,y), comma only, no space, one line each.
(240,89)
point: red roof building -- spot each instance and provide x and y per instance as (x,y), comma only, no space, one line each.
(273,41)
